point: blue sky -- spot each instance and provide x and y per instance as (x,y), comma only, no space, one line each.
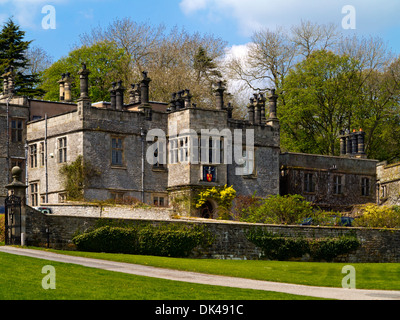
(232,20)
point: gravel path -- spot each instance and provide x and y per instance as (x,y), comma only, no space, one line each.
(176,275)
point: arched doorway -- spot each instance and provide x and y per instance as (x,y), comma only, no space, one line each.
(207,210)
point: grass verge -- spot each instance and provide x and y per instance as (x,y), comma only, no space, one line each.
(21,279)
(380,276)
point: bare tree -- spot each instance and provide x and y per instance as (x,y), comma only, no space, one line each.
(308,37)
(39,60)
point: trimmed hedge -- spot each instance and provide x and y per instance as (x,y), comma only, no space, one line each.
(170,241)
(276,247)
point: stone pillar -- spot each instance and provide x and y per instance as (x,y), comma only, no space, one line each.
(18,188)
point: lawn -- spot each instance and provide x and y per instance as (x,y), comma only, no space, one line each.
(21,279)
(382,276)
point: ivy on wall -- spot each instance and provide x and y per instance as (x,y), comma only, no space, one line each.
(76,176)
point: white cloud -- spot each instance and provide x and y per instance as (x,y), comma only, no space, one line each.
(190,6)
(372,16)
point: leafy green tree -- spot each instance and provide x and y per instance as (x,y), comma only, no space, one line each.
(13,50)
(319,99)
(328,93)
(105,62)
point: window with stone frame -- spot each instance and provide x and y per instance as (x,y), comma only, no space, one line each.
(173,151)
(338,184)
(17,129)
(211,149)
(34,194)
(42,154)
(33,163)
(250,163)
(365,187)
(159,201)
(309,184)
(160,155)
(62,150)
(117,151)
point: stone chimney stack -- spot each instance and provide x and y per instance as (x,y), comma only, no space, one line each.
(251,111)
(230,110)
(219,93)
(84,103)
(67,88)
(352,144)
(188,99)
(8,81)
(273,98)
(172,103)
(113,95)
(132,94)
(257,110)
(179,101)
(119,96)
(61,82)
(361,144)
(144,88)
(261,101)
(84,82)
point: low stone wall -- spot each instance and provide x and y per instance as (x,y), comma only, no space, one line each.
(114,212)
(377,245)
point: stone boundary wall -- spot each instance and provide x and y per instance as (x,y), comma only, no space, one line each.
(377,245)
(114,212)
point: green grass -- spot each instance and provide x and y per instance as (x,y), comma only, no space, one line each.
(21,279)
(383,276)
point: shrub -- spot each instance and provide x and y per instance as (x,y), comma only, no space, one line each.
(277,247)
(374,216)
(329,248)
(290,209)
(170,240)
(108,239)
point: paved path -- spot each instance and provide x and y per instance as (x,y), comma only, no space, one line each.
(330,293)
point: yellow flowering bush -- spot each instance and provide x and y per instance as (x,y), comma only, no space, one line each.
(373,216)
(223,196)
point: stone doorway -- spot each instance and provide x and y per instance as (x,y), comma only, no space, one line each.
(207,210)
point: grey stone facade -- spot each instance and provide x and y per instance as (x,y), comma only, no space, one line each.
(335,183)
(113,139)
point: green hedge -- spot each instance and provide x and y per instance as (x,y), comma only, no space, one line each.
(170,241)
(276,247)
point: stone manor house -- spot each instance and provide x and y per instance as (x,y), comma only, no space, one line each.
(202,148)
